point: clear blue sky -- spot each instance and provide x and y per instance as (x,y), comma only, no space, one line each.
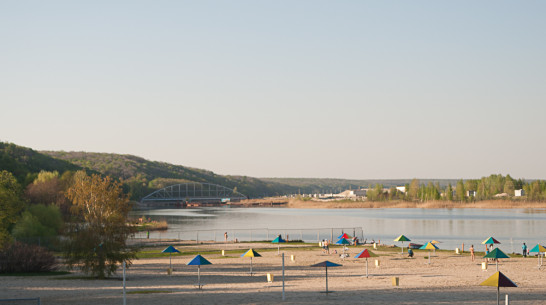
(341,89)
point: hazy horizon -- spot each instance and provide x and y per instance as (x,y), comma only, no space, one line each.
(309,89)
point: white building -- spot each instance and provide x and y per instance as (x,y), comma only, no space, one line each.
(519,193)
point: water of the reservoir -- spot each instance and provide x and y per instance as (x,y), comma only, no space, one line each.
(451,227)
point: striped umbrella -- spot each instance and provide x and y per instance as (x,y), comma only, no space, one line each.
(251,253)
(498,280)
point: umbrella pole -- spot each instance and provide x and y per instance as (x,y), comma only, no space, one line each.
(429,257)
(326,279)
(199,276)
(402,248)
(279,249)
(498,301)
(497,263)
(251,266)
(366,267)
(170,262)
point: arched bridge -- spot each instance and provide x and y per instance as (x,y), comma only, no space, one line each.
(191,192)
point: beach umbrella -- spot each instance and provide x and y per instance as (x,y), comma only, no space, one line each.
(326,264)
(498,280)
(402,238)
(344,235)
(170,250)
(490,241)
(251,253)
(496,254)
(538,248)
(198,260)
(429,246)
(365,254)
(278,241)
(343,241)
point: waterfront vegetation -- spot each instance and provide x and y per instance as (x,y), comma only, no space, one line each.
(83,199)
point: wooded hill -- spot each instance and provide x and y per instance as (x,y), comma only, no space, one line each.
(141,177)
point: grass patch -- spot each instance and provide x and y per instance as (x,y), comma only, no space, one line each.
(49,273)
(148,291)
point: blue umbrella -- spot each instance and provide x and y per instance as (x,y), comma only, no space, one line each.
(343,241)
(326,264)
(170,249)
(278,241)
(198,260)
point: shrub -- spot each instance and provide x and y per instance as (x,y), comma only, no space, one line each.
(19,257)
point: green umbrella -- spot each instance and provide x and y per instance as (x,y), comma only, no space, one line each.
(538,248)
(498,280)
(402,238)
(343,242)
(278,241)
(496,254)
(170,249)
(429,246)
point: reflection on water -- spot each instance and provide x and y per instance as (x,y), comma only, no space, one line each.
(451,226)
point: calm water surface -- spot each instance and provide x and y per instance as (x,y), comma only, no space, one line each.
(450,226)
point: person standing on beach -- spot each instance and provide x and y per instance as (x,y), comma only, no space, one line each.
(472,252)
(225,237)
(524,250)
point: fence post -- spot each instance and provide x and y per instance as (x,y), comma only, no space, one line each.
(267,234)
(250,234)
(332,236)
(301,235)
(197,237)
(318,236)
(214,235)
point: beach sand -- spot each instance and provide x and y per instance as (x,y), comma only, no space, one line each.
(449,279)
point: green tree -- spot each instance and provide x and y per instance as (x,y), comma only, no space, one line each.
(460,191)
(11,205)
(509,187)
(97,240)
(449,192)
(413,191)
(38,221)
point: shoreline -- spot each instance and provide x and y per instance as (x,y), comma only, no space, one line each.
(346,204)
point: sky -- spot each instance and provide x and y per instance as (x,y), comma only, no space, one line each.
(322,89)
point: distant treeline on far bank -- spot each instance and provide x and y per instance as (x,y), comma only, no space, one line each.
(486,188)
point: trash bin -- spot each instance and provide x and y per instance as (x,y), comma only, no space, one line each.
(270,278)
(223,252)
(395,281)
(293,258)
(484,266)
(457,251)
(377,263)
(169,271)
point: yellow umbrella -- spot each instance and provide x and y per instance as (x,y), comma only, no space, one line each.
(429,246)
(498,280)
(251,253)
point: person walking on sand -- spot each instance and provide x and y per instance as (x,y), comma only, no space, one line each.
(225,237)
(472,252)
(524,250)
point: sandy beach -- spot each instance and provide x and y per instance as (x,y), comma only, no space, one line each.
(450,279)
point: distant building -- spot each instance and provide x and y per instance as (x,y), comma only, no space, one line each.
(401,189)
(471,193)
(361,192)
(519,193)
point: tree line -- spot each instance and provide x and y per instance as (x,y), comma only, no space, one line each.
(486,188)
(90,212)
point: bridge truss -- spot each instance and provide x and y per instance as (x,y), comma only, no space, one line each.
(191,192)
